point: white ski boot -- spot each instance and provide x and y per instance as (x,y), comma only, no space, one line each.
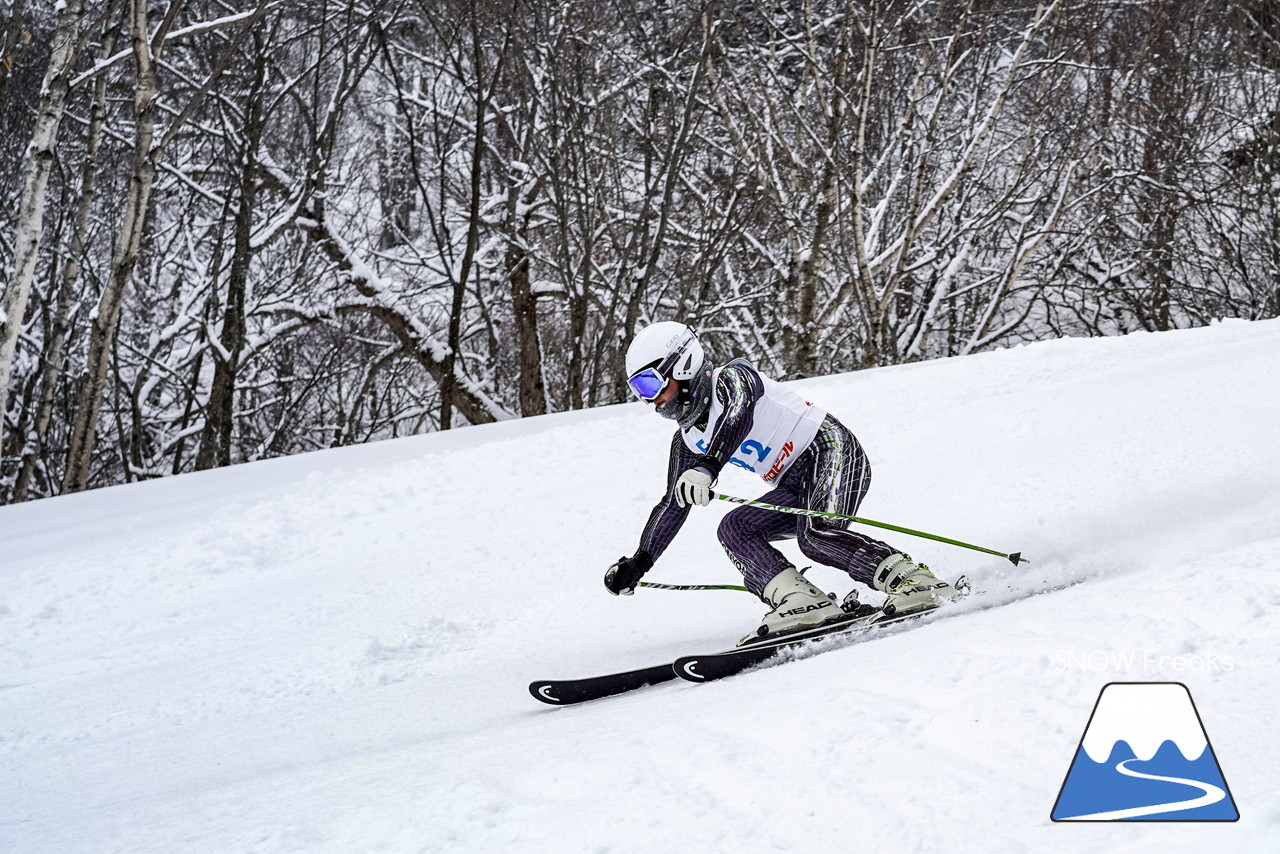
(797,604)
(910,586)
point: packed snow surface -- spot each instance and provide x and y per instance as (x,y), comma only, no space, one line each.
(331,653)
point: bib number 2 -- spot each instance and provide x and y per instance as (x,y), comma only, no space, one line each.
(750,448)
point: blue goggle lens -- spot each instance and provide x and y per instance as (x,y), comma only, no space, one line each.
(647,384)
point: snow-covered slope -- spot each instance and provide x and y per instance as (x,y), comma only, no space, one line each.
(330,653)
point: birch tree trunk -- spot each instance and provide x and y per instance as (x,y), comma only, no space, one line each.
(147,153)
(125,256)
(70,276)
(30,224)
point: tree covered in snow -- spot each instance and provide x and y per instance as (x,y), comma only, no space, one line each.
(236,229)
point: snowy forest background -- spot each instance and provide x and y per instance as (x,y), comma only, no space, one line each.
(234,230)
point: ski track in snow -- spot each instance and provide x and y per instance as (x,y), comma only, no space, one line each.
(330,653)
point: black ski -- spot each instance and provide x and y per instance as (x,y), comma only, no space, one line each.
(706,668)
(718,665)
(566,692)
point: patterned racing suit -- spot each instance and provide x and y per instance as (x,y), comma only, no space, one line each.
(810,459)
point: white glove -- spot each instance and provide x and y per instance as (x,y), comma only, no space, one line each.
(694,487)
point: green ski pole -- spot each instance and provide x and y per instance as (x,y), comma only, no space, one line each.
(1015,558)
(656,586)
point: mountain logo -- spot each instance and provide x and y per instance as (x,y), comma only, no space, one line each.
(1144,756)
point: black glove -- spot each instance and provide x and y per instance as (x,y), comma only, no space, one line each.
(623,576)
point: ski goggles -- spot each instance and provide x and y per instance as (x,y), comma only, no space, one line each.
(647,384)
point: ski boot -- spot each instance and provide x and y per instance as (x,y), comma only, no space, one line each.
(911,587)
(797,604)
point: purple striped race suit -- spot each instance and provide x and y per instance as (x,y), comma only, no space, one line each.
(831,475)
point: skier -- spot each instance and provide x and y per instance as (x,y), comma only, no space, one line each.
(735,415)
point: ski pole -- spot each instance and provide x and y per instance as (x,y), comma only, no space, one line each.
(1015,558)
(693,586)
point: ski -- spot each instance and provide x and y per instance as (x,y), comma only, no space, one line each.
(707,668)
(566,692)
(718,665)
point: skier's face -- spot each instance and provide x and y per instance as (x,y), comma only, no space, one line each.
(665,395)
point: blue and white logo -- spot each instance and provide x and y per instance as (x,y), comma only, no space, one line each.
(1145,757)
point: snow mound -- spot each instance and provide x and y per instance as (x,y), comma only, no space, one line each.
(330,653)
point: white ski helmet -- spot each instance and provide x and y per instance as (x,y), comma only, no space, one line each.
(671,346)
(665,352)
